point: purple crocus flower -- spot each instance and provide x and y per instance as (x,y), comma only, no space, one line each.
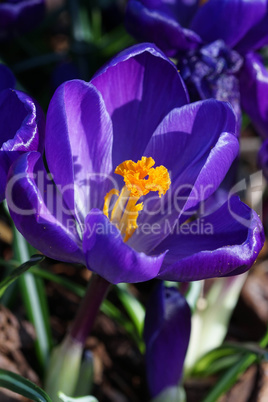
(7,79)
(211,40)
(19,16)
(132,163)
(166,333)
(254,97)
(22,125)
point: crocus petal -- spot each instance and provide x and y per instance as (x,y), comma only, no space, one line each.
(188,133)
(22,122)
(20,16)
(253,89)
(196,143)
(107,254)
(256,37)
(229,20)
(166,332)
(79,145)
(224,243)
(263,158)
(181,11)
(7,79)
(129,88)
(38,210)
(22,127)
(160,27)
(30,14)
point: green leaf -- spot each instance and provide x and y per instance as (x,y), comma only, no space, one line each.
(215,360)
(35,259)
(106,307)
(220,365)
(61,280)
(35,302)
(22,386)
(133,307)
(230,377)
(245,121)
(34,299)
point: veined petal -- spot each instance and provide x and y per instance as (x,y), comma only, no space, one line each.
(39,211)
(79,145)
(253,89)
(107,254)
(229,20)
(22,122)
(196,143)
(188,132)
(159,25)
(166,332)
(22,129)
(129,88)
(180,11)
(227,242)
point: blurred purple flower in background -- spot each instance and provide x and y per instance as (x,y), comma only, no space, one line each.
(64,71)
(214,42)
(7,79)
(167,330)
(19,16)
(102,141)
(22,125)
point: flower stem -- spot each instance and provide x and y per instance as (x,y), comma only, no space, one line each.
(88,310)
(64,367)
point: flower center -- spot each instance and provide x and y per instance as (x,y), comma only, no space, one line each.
(140,179)
(211,72)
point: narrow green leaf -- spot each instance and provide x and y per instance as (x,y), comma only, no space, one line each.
(133,307)
(229,378)
(15,274)
(34,299)
(106,307)
(9,264)
(35,302)
(221,364)
(245,121)
(61,280)
(206,361)
(114,41)
(96,23)
(22,386)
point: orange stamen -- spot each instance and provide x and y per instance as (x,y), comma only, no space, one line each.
(140,179)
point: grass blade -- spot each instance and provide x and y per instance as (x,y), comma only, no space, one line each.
(229,378)
(15,274)
(34,299)
(22,386)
